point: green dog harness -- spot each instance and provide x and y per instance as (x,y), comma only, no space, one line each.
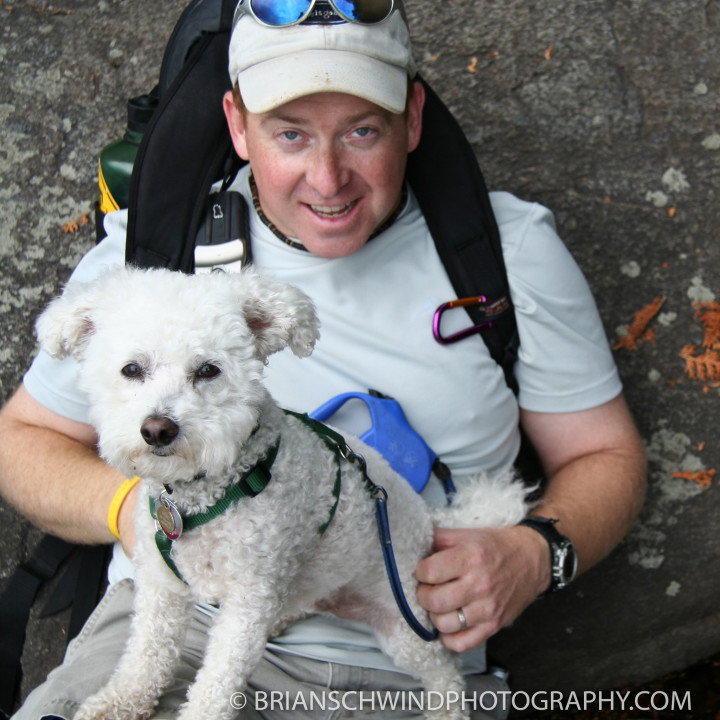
(170,523)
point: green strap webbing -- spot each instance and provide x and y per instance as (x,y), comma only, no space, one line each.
(252,483)
(249,485)
(164,545)
(336,443)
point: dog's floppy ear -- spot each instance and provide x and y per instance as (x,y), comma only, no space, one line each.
(65,326)
(279,315)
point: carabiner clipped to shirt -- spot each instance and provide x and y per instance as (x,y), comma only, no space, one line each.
(490,312)
(394,438)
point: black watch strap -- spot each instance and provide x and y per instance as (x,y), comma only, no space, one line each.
(563,556)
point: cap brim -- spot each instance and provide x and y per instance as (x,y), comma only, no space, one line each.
(269,84)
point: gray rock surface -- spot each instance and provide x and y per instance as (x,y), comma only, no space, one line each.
(607,112)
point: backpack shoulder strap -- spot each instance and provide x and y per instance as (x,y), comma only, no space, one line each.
(198,18)
(185,148)
(81,584)
(451,191)
(452,194)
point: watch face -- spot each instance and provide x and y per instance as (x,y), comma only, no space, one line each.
(567,563)
(564,555)
(570,565)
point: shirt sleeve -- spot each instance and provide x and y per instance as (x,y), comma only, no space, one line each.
(53,382)
(565,363)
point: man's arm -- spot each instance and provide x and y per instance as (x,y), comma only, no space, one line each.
(595,463)
(50,472)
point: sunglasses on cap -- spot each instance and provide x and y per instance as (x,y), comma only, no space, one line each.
(281,13)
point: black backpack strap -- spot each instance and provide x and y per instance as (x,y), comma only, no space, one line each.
(184,150)
(199,17)
(447,181)
(450,188)
(80,586)
(16,601)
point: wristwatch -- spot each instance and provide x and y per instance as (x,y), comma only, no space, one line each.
(563,556)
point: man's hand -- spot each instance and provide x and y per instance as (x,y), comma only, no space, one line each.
(492,574)
(595,464)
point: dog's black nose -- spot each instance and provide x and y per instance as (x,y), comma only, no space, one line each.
(159,431)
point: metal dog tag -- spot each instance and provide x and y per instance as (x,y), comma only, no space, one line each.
(169,517)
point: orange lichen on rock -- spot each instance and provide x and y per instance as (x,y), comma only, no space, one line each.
(708,313)
(74,225)
(705,366)
(703,478)
(638,330)
(48,10)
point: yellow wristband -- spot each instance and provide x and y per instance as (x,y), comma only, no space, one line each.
(116,504)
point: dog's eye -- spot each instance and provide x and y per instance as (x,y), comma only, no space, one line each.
(133,371)
(207,372)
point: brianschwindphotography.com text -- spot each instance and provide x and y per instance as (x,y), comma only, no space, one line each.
(378,701)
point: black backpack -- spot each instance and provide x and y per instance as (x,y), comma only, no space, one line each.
(177,164)
(170,209)
(185,149)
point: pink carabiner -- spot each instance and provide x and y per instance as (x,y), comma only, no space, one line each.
(463,302)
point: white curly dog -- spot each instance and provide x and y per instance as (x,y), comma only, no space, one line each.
(173,368)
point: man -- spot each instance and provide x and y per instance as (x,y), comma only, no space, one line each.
(324,111)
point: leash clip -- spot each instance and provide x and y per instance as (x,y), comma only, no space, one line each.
(377,492)
(352,457)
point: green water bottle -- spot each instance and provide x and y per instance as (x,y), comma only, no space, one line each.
(116,160)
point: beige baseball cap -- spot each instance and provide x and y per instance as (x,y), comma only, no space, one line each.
(324,53)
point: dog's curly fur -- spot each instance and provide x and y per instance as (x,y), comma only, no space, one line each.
(191,349)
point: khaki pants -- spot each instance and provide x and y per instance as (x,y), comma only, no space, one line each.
(283,685)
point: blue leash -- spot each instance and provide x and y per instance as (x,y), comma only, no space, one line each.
(379,494)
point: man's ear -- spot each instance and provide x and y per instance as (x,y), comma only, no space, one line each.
(415,115)
(236,125)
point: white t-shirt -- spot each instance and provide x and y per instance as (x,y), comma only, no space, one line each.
(376,311)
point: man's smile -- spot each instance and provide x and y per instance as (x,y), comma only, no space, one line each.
(333,211)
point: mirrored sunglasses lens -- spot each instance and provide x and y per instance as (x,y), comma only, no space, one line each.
(365,11)
(279,12)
